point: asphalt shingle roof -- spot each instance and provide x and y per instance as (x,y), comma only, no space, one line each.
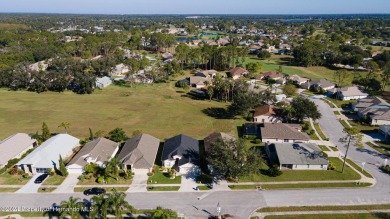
(299,153)
(13,146)
(282,131)
(181,145)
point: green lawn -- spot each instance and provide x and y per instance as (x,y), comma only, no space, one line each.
(359,168)
(54,180)
(161,178)
(163,188)
(332,216)
(336,112)
(92,181)
(334,149)
(324,208)
(323,148)
(307,175)
(203,188)
(344,123)
(46,189)
(379,148)
(319,130)
(362,127)
(7,179)
(108,189)
(8,189)
(298,186)
(161,110)
(340,103)
(328,102)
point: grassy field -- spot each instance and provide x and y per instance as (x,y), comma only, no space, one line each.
(298,186)
(108,189)
(54,180)
(307,175)
(160,110)
(7,179)
(163,188)
(161,178)
(376,215)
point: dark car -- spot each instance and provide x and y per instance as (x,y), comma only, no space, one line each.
(95,191)
(41,178)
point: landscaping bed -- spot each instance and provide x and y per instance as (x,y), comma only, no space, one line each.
(162,178)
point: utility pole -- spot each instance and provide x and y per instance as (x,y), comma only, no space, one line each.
(219,211)
(346,152)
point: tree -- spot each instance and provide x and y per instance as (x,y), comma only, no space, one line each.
(264,54)
(254,67)
(109,171)
(45,132)
(302,107)
(231,158)
(340,78)
(210,92)
(117,135)
(65,125)
(354,137)
(100,206)
(63,170)
(71,208)
(385,77)
(162,213)
(91,137)
(118,204)
(290,90)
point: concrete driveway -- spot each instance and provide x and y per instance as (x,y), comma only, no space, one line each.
(68,185)
(188,183)
(30,186)
(139,183)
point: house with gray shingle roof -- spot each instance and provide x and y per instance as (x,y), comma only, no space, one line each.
(15,146)
(96,151)
(46,156)
(321,83)
(348,93)
(282,132)
(297,156)
(139,153)
(182,153)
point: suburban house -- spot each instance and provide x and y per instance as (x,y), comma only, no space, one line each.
(120,69)
(385,131)
(96,151)
(251,129)
(103,82)
(167,56)
(238,72)
(181,153)
(322,83)
(216,136)
(139,153)
(265,114)
(298,80)
(374,110)
(40,66)
(199,82)
(142,77)
(15,146)
(206,74)
(273,75)
(283,132)
(46,156)
(348,93)
(297,156)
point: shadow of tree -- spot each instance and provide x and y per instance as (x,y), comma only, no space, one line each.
(218,113)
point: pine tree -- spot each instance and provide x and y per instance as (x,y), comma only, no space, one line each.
(45,132)
(63,170)
(91,137)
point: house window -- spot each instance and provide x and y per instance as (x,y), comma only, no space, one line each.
(308,166)
(285,140)
(263,120)
(322,166)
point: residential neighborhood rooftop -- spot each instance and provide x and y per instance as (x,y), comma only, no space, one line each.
(299,153)
(282,131)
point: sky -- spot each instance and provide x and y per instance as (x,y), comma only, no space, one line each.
(196,6)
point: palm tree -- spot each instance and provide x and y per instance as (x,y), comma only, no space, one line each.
(65,125)
(100,205)
(111,169)
(71,207)
(118,204)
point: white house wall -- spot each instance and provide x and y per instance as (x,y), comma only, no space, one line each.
(307,167)
(272,140)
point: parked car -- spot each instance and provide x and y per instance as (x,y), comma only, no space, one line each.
(95,191)
(41,178)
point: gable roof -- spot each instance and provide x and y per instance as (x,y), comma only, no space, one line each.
(282,131)
(349,91)
(49,152)
(322,83)
(272,74)
(238,71)
(264,110)
(182,145)
(13,146)
(98,150)
(299,153)
(215,137)
(371,101)
(199,80)
(140,151)
(298,78)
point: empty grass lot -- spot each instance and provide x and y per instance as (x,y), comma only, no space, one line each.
(308,175)
(160,110)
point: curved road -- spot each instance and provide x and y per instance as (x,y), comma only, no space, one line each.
(242,203)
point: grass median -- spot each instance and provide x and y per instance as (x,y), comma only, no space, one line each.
(163,188)
(298,186)
(374,215)
(324,208)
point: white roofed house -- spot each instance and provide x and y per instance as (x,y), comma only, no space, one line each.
(15,146)
(119,70)
(46,156)
(103,82)
(348,93)
(96,151)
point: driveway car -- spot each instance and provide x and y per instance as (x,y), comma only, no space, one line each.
(41,178)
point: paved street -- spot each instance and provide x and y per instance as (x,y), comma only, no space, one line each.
(242,203)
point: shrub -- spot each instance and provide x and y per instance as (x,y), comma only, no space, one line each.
(274,171)
(331,166)
(91,168)
(257,141)
(81,177)
(305,126)
(100,179)
(51,172)
(150,174)
(25,175)
(13,171)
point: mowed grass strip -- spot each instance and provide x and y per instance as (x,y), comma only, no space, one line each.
(378,148)
(374,215)
(299,186)
(324,208)
(308,175)
(162,188)
(9,189)
(323,148)
(319,131)
(161,110)
(359,168)
(108,189)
